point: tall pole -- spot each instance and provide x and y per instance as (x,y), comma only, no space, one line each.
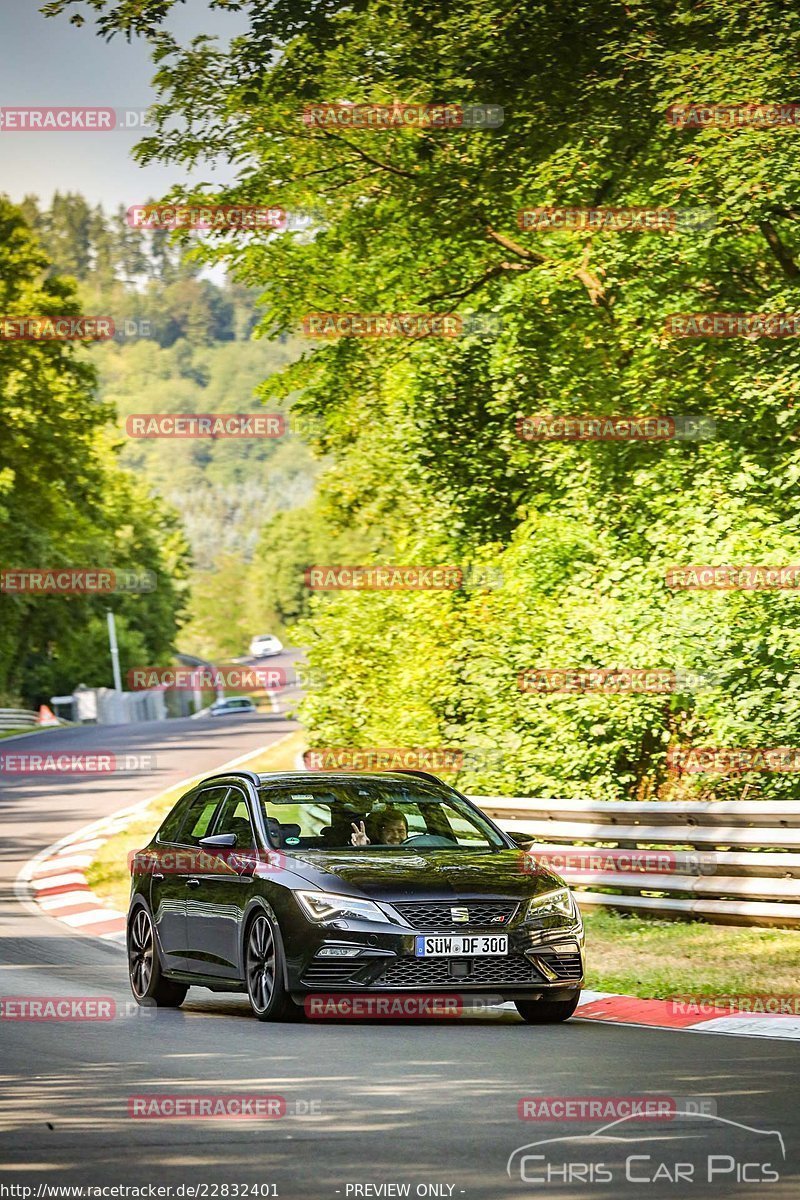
(112,641)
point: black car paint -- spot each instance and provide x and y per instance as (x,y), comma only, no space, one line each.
(214,906)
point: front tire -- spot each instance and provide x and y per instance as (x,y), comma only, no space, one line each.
(264,964)
(148,983)
(547,1012)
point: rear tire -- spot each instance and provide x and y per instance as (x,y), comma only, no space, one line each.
(148,983)
(264,968)
(547,1012)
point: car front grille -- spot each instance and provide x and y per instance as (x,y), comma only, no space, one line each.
(435,972)
(483,914)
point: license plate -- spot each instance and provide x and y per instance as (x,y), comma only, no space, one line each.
(474,945)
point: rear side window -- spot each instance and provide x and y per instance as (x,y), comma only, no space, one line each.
(169,830)
(200,815)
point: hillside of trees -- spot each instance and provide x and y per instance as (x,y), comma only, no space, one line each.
(189,510)
(423,461)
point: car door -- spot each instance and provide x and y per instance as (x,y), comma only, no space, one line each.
(168,886)
(216,903)
(172,875)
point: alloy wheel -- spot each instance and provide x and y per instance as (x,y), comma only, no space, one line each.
(140,953)
(261,964)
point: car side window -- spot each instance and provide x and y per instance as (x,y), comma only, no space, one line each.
(201,814)
(234,817)
(171,826)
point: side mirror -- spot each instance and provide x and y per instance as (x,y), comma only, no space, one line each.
(523,840)
(220,841)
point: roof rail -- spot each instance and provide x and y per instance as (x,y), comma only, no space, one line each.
(249,775)
(421,774)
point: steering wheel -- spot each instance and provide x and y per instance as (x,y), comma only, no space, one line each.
(433,840)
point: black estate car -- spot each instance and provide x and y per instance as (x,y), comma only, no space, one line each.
(290,884)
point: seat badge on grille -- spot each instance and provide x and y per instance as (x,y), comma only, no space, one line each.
(459,916)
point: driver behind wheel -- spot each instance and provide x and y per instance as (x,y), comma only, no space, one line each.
(391,830)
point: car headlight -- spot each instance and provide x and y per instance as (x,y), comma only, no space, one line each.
(558,903)
(327,906)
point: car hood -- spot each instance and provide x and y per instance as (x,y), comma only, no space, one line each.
(410,875)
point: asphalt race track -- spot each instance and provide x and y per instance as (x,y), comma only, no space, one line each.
(429,1106)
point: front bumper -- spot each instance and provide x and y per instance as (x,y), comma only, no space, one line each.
(544,959)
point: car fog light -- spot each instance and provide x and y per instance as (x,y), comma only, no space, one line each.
(339,952)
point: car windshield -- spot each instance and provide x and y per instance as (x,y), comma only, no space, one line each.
(390,815)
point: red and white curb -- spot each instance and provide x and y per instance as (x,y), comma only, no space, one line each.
(54,883)
(667,1014)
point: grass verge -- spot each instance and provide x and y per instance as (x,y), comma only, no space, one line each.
(638,956)
(109,876)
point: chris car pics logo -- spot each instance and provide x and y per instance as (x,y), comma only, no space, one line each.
(694,1146)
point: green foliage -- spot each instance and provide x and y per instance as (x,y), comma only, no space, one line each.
(423,461)
(64,500)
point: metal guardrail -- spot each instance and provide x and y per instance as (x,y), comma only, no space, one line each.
(729,862)
(17,718)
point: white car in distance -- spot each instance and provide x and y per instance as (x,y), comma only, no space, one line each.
(265,646)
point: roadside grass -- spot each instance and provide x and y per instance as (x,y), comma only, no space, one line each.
(631,955)
(109,875)
(638,956)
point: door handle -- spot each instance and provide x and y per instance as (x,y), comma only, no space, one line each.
(193,883)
